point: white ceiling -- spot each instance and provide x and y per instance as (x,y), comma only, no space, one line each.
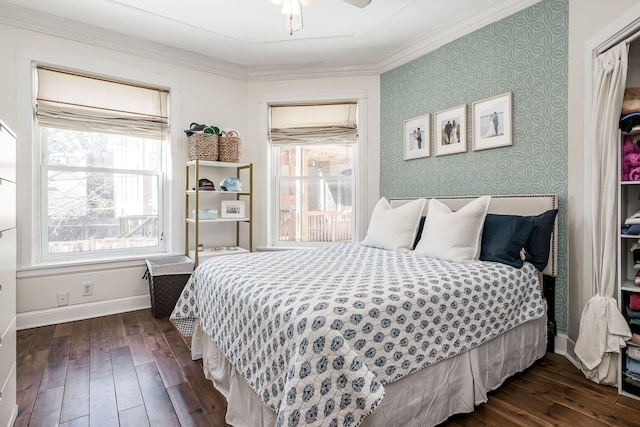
(249,36)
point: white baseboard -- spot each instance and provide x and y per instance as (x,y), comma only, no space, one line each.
(564,347)
(52,316)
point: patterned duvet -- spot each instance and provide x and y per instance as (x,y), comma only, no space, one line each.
(317,333)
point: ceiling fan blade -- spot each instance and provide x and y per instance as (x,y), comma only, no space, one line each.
(359,3)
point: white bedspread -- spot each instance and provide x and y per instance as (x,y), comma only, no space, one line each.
(316,333)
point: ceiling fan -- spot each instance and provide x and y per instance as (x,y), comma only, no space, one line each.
(292,9)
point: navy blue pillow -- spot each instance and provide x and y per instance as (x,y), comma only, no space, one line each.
(419,233)
(504,236)
(537,248)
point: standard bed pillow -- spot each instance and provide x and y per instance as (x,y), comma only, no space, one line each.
(503,238)
(537,248)
(453,236)
(394,228)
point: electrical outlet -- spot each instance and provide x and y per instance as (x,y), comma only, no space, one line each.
(63,298)
(87,289)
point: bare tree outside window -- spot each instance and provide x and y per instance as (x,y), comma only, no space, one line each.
(102,191)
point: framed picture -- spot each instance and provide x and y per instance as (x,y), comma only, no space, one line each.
(417,137)
(232,209)
(451,131)
(493,122)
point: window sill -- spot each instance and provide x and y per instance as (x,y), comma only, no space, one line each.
(60,267)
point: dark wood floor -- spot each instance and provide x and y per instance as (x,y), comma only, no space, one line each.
(134,370)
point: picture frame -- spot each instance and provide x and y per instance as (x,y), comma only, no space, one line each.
(451,130)
(232,209)
(417,137)
(493,122)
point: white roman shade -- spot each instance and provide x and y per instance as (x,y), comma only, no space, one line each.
(72,101)
(313,124)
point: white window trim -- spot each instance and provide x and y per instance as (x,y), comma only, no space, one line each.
(360,164)
(29,223)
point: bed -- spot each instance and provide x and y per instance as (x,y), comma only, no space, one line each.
(357,335)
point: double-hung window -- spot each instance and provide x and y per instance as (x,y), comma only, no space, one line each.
(313,157)
(101,173)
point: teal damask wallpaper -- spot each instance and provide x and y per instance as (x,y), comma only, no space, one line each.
(526,54)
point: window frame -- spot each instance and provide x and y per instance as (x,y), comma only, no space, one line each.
(279,179)
(42,207)
(361,168)
(30,245)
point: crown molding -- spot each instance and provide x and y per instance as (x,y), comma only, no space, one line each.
(21,17)
(302,71)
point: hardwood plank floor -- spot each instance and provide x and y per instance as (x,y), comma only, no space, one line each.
(131,369)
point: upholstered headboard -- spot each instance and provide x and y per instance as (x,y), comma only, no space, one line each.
(530,204)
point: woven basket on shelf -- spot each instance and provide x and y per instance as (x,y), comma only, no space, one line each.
(203,146)
(229,148)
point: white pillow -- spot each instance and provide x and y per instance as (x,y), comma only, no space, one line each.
(453,236)
(394,229)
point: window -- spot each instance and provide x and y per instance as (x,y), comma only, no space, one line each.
(102,145)
(313,148)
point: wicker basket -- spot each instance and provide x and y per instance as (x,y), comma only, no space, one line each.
(167,278)
(203,146)
(229,147)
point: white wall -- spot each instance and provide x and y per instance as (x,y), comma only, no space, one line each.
(586,19)
(203,98)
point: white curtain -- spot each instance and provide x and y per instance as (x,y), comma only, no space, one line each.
(603,329)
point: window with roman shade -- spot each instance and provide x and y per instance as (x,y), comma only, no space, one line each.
(313,159)
(102,169)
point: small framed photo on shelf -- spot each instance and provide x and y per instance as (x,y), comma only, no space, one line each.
(493,122)
(451,131)
(417,137)
(232,209)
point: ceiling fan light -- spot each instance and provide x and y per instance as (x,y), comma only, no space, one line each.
(292,7)
(294,23)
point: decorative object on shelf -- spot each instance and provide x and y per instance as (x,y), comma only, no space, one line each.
(232,209)
(229,148)
(417,137)
(198,128)
(231,184)
(205,184)
(451,130)
(493,122)
(203,146)
(205,214)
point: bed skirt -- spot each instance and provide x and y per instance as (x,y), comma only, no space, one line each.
(425,398)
